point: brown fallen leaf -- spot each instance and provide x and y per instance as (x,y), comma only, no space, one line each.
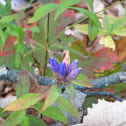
(1,121)
(48,120)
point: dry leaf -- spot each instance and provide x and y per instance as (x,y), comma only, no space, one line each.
(4,102)
(1,121)
(106,114)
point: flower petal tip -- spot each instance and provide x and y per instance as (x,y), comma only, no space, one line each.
(73,65)
(54,65)
(73,74)
(62,70)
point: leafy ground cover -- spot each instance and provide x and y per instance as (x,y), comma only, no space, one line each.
(62,45)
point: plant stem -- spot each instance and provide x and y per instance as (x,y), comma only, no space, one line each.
(51,29)
(83,20)
(46,45)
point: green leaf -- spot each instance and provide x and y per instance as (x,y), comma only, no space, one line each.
(43,11)
(20,45)
(93,30)
(24,102)
(45,27)
(51,112)
(3,114)
(71,91)
(33,50)
(14,119)
(64,4)
(53,94)
(34,121)
(125,12)
(119,23)
(65,105)
(20,34)
(92,16)
(90,3)
(1,10)
(3,38)
(7,8)
(120,32)
(34,29)
(7,19)
(23,84)
(82,80)
(11,30)
(25,122)
(107,25)
(19,50)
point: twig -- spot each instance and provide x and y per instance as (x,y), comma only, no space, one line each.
(119,77)
(97,93)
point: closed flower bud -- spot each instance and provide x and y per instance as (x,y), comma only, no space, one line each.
(73,66)
(73,74)
(66,59)
(54,65)
(62,70)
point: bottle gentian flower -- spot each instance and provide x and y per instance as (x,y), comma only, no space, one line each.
(65,71)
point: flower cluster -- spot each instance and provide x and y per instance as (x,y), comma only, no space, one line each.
(65,70)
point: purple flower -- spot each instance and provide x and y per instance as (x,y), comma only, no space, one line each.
(61,69)
(73,74)
(54,65)
(73,66)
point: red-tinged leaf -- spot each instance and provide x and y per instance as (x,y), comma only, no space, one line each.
(71,91)
(82,80)
(51,112)
(34,121)
(23,84)
(65,105)
(105,59)
(53,94)
(25,102)
(100,60)
(7,54)
(14,119)
(31,41)
(64,4)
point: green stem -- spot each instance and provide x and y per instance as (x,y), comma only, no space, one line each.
(46,44)
(51,28)
(82,20)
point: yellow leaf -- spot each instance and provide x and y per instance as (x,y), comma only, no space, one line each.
(83,28)
(108,42)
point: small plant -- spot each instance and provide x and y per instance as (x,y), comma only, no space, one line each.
(46,40)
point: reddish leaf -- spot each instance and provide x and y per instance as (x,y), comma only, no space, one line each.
(101,60)
(105,59)
(24,102)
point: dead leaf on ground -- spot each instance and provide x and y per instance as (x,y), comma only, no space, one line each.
(48,120)
(106,114)
(1,121)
